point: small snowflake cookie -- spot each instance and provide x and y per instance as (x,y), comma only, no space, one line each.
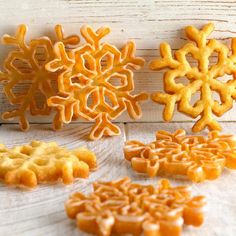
(27,84)
(95,83)
(40,162)
(121,207)
(204,78)
(198,158)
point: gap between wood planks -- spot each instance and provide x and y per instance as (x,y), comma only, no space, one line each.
(125,124)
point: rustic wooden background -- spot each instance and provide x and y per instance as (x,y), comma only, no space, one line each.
(148,22)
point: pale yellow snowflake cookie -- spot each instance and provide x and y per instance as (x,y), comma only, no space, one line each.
(39,162)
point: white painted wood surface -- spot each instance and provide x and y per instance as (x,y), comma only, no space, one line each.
(41,211)
(148,22)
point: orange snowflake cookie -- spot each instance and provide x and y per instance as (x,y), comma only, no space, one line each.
(37,162)
(95,83)
(123,207)
(204,78)
(199,158)
(27,83)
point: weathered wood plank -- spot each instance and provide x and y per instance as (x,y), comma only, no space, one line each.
(41,211)
(147,22)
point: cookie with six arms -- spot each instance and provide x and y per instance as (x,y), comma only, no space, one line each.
(26,82)
(204,78)
(95,83)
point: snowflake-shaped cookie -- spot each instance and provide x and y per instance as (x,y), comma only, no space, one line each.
(25,68)
(95,83)
(122,207)
(204,78)
(197,157)
(39,162)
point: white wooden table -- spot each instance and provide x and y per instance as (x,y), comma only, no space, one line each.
(41,211)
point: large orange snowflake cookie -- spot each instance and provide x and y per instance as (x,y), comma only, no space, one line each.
(27,83)
(95,83)
(204,78)
(199,158)
(123,207)
(37,162)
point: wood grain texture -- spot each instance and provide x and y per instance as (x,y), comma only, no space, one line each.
(148,22)
(41,211)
